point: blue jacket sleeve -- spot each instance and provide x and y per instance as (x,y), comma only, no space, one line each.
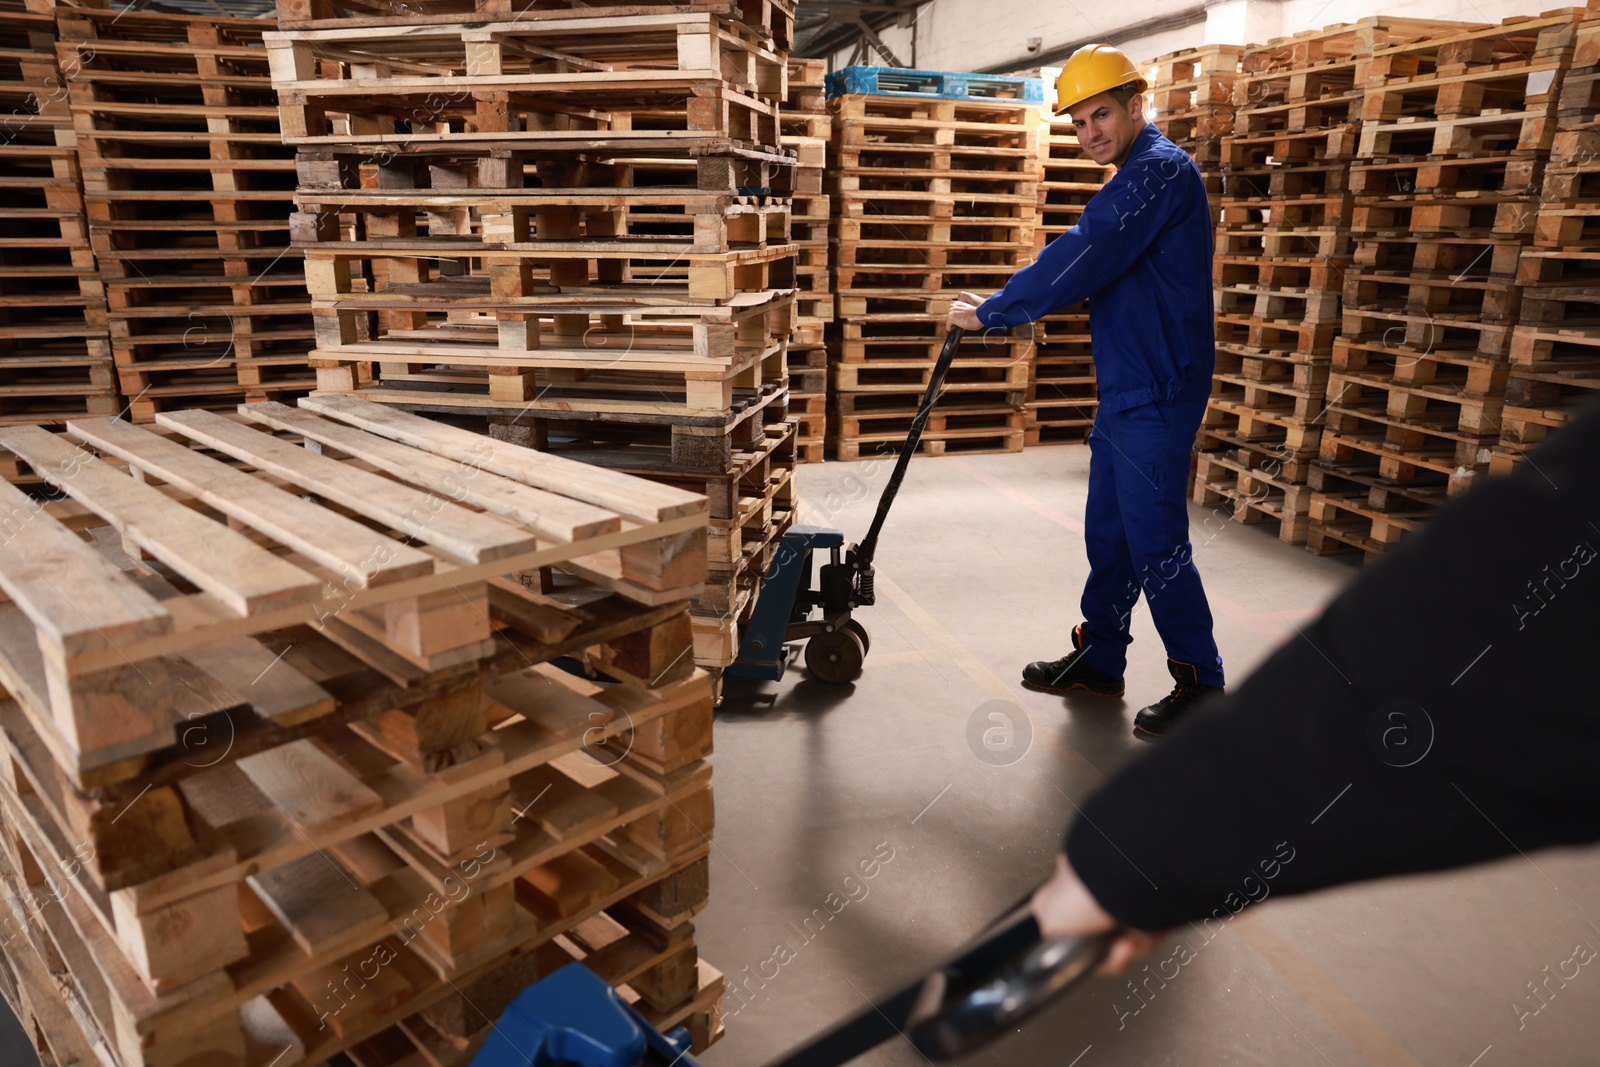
(1116,228)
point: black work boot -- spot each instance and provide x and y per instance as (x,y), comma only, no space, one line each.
(1160,717)
(1071,672)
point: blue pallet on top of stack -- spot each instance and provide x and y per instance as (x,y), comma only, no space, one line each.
(900,81)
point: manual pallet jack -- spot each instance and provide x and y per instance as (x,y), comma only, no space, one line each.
(574,1018)
(836,642)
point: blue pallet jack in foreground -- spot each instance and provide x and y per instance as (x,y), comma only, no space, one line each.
(574,1019)
(836,643)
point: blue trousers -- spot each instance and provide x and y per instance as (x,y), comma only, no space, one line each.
(1136,531)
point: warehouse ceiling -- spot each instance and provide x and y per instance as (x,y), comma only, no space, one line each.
(823,27)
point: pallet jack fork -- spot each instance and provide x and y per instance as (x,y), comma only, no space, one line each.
(790,609)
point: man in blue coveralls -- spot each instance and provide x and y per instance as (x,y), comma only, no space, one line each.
(1141,253)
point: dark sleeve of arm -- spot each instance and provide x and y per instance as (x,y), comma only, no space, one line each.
(1442,711)
(1116,228)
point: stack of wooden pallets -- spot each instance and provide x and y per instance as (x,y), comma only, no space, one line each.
(1283,250)
(568,226)
(1061,383)
(280,783)
(935,191)
(1457,129)
(55,353)
(807,129)
(1555,348)
(1194,106)
(188,192)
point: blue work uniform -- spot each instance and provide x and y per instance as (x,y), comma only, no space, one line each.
(1141,254)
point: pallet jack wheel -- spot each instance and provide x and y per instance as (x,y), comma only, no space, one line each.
(860,631)
(836,657)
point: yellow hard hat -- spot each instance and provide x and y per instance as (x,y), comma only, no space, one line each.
(1092,70)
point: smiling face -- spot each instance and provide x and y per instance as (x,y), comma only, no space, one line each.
(1106,129)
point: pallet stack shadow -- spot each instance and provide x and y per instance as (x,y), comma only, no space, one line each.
(1457,131)
(55,350)
(311,780)
(1555,348)
(1194,106)
(566,227)
(1061,383)
(188,191)
(935,191)
(1283,249)
(807,129)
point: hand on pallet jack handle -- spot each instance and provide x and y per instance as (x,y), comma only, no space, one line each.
(1064,907)
(963,313)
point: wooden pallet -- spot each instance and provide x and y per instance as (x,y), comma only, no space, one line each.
(1059,422)
(1339,42)
(1488,216)
(1281,430)
(1272,335)
(1303,307)
(773,19)
(1415,334)
(385,907)
(1252,495)
(1245,239)
(912,376)
(1398,255)
(1343,522)
(1257,184)
(622,389)
(955,278)
(1544,397)
(1290,399)
(1436,294)
(961,415)
(910,256)
(244,590)
(1322,99)
(1555,369)
(1404,447)
(1299,213)
(1474,50)
(1192,78)
(947,443)
(1469,372)
(1444,401)
(1528,133)
(692,70)
(1296,146)
(1300,274)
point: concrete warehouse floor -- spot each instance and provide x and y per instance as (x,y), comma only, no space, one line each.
(980,571)
(981,566)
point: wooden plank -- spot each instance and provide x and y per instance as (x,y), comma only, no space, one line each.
(550,514)
(225,563)
(560,806)
(622,493)
(535,615)
(357,553)
(319,902)
(426,516)
(276,690)
(76,597)
(312,790)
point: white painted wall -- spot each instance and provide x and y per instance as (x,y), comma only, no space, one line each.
(973,34)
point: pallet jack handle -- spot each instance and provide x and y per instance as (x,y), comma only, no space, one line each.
(986,991)
(869,547)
